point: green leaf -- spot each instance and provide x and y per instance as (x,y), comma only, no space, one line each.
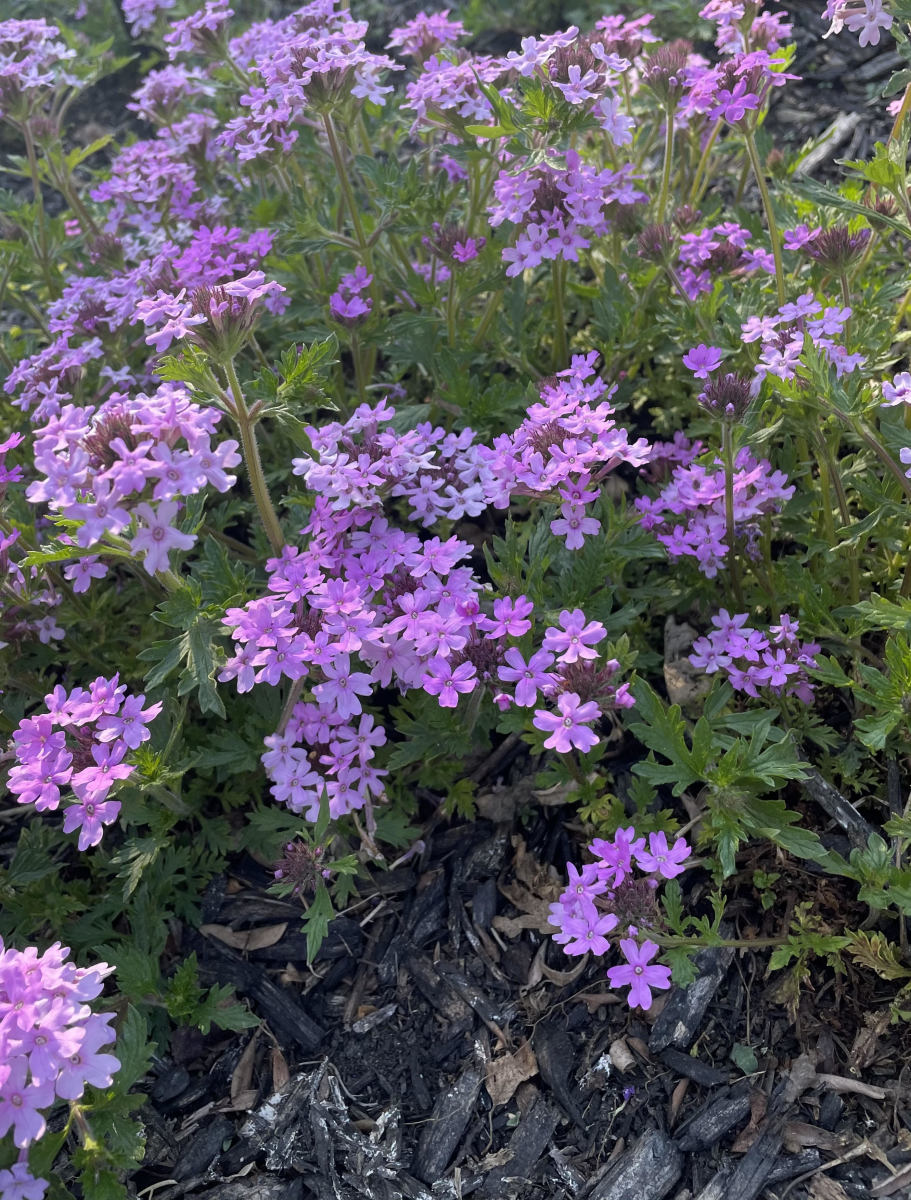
(316,922)
(489,131)
(745,1058)
(662,730)
(133,1049)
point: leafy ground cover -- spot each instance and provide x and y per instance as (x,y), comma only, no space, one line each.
(457,607)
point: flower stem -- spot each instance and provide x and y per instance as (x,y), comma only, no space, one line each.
(39,205)
(347,191)
(668,159)
(772,224)
(697,188)
(558,277)
(253,462)
(727,455)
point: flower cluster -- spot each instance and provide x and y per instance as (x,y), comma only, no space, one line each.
(616,892)
(716,250)
(750,659)
(133,459)
(50,1040)
(696,493)
(426,34)
(863,17)
(313,60)
(782,338)
(79,743)
(564,670)
(217,317)
(33,60)
(558,210)
(565,448)
(405,607)
(346,303)
(768,31)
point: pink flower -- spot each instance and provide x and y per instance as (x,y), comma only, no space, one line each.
(509,617)
(569,728)
(638,973)
(528,677)
(575,638)
(447,682)
(662,860)
(588,930)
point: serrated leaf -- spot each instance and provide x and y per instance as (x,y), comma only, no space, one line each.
(316,922)
(133,1049)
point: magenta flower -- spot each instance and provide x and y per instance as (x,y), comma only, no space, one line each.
(447,682)
(616,856)
(702,359)
(661,860)
(568,729)
(94,782)
(589,930)
(528,677)
(509,617)
(639,973)
(575,638)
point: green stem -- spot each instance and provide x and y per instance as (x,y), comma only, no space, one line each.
(668,159)
(359,372)
(451,309)
(774,236)
(487,316)
(44,252)
(727,459)
(253,462)
(727,455)
(560,344)
(347,191)
(702,166)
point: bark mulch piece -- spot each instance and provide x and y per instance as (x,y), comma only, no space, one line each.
(442,1045)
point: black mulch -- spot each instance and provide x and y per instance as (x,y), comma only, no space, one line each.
(443,1046)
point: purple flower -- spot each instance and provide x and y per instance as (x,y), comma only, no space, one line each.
(639,973)
(702,359)
(156,535)
(574,639)
(569,728)
(342,687)
(898,391)
(661,860)
(528,677)
(447,683)
(20,1101)
(18,1184)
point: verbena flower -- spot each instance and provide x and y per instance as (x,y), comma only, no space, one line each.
(50,1043)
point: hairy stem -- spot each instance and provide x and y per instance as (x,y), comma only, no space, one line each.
(774,236)
(253,462)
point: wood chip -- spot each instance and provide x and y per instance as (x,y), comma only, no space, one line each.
(447,1124)
(647,1171)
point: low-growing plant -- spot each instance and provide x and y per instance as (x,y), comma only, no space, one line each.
(363,410)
